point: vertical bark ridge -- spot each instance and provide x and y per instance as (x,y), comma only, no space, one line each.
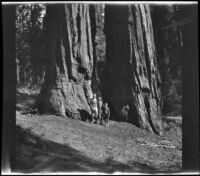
(131,54)
(71,59)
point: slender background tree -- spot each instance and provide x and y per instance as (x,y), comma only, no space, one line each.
(30,44)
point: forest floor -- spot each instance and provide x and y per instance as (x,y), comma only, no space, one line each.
(49,143)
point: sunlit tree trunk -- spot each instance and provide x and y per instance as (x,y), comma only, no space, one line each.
(67,86)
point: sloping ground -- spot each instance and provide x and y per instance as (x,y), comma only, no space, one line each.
(49,143)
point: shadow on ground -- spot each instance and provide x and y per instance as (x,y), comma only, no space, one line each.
(33,154)
(25,102)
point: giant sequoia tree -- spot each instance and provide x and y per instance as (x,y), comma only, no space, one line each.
(168,35)
(131,82)
(67,84)
(133,77)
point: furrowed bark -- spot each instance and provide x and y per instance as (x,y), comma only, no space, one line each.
(169,45)
(67,89)
(133,78)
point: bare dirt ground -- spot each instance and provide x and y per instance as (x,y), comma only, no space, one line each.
(49,143)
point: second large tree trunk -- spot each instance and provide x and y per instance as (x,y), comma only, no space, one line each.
(132,78)
(66,90)
(169,45)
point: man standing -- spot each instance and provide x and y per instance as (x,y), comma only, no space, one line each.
(100,104)
(93,104)
(106,113)
(125,111)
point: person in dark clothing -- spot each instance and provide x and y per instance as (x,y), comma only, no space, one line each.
(125,111)
(106,113)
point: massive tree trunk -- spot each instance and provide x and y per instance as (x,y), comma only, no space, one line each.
(67,87)
(169,45)
(132,75)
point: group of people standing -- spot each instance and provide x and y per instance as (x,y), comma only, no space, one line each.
(100,111)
